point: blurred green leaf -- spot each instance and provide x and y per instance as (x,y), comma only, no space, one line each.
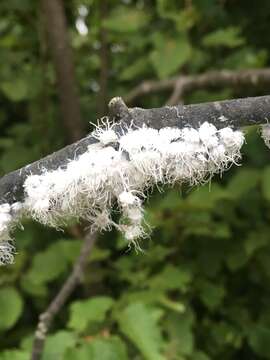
(14,355)
(229,37)
(82,313)
(199,355)
(15,90)
(246,58)
(170,54)
(106,349)
(47,266)
(243,181)
(170,278)
(125,20)
(51,263)
(207,196)
(211,295)
(136,68)
(11,305)
(181,340)
(256,241)
(16,157)
(57,344)
(266,183)
(237,258)
(259,340)
(111,348)
(138,323)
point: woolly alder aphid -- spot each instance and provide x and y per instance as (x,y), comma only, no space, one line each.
(119,169)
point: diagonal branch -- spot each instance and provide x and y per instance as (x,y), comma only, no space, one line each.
(183,84)
(234,113)
(178,93)
(46,318)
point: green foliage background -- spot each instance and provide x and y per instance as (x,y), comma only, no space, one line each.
(201,288)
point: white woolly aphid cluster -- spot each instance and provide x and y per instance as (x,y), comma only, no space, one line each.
(121,168)
(8,217)
(265,133)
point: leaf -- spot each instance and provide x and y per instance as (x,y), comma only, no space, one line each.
(57,344)
(226,334)
(242,182)
(98,254)
(211,295)
(179,328)
(47,266)
(229,37)
(11,305)
(69,249)
(15,90)
(186,18)
(134,70)
(199,355)
(138,323)
(206,197)
(144,296)
(107,349)
(51,263)
(82,313)
(266,183)
(256,241)
(246,58)
(259,340)
(112,348)
(16,157)
(171,278)
(124,20)
(237,258)
(170,54)
(14,355)
(29,285)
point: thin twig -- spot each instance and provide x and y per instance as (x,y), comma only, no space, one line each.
(211,79)
(46,318)
(177,94)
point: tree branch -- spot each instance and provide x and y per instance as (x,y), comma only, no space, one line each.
(56,28)
(104,61)
(235,113)
(213,79)
(178,93)
(46,318)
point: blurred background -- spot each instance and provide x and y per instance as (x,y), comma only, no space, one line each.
(201,288)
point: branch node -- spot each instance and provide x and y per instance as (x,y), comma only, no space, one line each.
(118,110)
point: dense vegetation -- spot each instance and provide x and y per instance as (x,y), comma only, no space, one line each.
(201,288)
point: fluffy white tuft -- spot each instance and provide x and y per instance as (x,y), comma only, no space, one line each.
(104,132)
(120,169)
(9,215)
(265,133)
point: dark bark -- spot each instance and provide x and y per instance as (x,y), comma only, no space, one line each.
(235,113)
(56,28)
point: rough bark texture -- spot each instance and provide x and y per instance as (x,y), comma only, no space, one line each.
(56,28)
(235,113)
